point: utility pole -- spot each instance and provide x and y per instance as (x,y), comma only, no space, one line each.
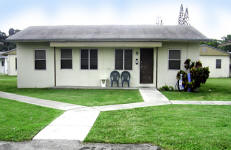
(159,21)
(183,18)
(181,15)
(186,17)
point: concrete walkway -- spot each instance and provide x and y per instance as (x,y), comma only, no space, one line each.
(77,121)
(201,102)
(72,125)
(40,102)
(151,97)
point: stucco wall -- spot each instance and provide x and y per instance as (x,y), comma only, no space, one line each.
(28,77)
(167,76)
(11,65)
(106,64)
(210,61)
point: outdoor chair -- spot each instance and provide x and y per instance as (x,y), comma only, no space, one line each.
(114,77)
(125,77)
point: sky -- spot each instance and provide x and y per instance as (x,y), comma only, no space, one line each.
(211,17)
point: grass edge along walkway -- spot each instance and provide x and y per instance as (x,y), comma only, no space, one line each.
(21,121)
(85,97)
(169,126)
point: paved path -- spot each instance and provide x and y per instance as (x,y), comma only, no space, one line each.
(202,102)
(151,95)
(40,102)
(71,145)
(72,125)
(126,106)
(77,121)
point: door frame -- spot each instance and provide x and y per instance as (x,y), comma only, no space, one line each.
(153,69)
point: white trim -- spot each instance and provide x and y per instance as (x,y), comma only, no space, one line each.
(123,49)
(216,64)
(66,58)
(40,59)
(174,59)
(106,44)
(89,57)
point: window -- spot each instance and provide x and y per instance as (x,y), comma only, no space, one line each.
(218,63)
(89,59)
(123,59)
(93,59)
(66,58)
(3,62)
(16,64)
(174,59)
(40,59)
(119,59)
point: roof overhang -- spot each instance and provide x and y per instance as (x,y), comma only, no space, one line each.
(10,52)
(106,44)
(225,44)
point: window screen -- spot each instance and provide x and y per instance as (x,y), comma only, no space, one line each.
(128,59)
(93,59)
(119,59)
(3,62)
(66,58)
(218,63)
(174,59)
(40,59)
(89,59)
(84,59)
(123,59)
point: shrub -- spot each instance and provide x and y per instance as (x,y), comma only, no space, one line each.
(166,88)
(199,75)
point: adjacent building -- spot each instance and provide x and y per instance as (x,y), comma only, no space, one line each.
(216,59)
(3,64)
(8,60)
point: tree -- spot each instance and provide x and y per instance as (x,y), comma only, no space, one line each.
(13,31)
(226,39)
(214,43)
(4,45)
(219,43)
(2,36)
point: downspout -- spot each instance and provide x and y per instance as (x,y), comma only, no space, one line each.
(157,67)
(54,67)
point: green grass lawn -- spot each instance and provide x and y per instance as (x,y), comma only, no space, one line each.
(217,89)
(86,97)
(20,121)
(172,127)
